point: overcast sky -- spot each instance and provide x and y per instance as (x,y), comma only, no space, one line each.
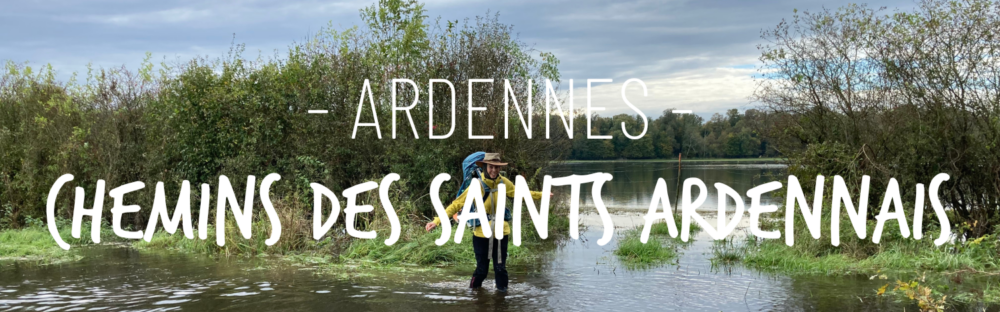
(696,55)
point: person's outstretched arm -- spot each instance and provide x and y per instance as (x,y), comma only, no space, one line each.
(452,209)
(510,190)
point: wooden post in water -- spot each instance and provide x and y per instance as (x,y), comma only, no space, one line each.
(677,190)
(679,168)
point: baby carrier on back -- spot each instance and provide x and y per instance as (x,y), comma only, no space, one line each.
(471,171)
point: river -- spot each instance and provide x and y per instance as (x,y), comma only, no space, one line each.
(580,276)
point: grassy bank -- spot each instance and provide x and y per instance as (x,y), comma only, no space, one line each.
(34,243)
(931,276)
(963,271)
(893,253)
(415,246)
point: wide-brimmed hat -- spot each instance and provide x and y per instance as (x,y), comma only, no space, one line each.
(492,159)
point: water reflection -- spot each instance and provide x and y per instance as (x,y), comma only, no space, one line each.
(634,182)
(581,276)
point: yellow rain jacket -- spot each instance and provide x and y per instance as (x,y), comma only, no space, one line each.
(490,203)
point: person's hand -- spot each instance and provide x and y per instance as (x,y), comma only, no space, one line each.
(430,226)
(551,194)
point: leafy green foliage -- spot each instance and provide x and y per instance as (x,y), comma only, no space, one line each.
(199,119)
(905,95)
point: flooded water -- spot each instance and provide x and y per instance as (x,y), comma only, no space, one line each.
(633,182)
(580,276)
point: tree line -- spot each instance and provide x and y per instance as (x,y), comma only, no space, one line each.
(198,119)
(729,135)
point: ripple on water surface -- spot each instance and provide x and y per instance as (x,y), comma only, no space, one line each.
(581,275)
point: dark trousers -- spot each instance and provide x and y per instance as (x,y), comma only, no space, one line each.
(481,247)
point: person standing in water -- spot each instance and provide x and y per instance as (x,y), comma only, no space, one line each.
(487,249)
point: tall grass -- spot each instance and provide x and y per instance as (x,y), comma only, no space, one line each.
(35,244)
(730,250)
(635,254)
(296,236)
(855,255)
(659,249)
(416,246)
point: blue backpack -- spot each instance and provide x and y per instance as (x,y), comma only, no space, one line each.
(470,171)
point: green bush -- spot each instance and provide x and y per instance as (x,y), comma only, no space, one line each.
(200,119)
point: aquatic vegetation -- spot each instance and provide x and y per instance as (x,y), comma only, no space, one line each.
(856,255)
(940,269)
(659,249)
(927,299)
(661,228)
(635,254)
(728,251)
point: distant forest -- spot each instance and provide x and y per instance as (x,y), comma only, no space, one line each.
(730,135)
